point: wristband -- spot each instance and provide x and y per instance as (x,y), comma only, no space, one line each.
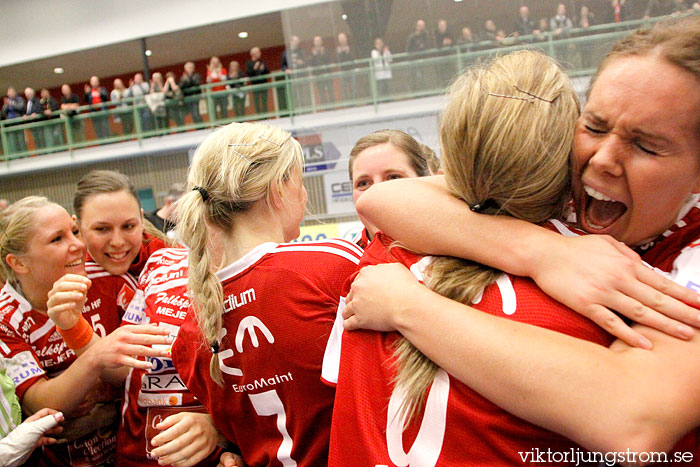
(78,336)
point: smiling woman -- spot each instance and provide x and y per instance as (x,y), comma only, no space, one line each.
(44,262)
(111,222)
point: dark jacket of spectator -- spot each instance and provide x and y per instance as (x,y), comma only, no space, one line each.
(525,26)
(190,83)
(104,97)
(418,42)
(14,107)
(34,108)
(256,75)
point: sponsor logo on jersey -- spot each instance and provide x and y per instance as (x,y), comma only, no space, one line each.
(170,382)
(261,383)
(124,297)
(28,323)
(233,301)
(168,277)
(179,314)
(92,306)
(160,364)
(176,301)
(22,367)
(159,400)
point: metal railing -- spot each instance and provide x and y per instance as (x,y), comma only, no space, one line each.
(301,91)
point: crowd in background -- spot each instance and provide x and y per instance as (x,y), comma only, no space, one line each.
(161,99)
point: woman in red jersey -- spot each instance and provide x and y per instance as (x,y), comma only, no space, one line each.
(252,350)
(39,247)
(636,178)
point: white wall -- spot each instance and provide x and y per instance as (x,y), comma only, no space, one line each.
(33,29)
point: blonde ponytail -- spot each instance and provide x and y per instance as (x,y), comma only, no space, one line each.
(507,151)
(234,167)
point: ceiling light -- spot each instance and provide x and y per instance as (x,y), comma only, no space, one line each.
(58,70)
(148,53)
(242,34)
(457,1)
(344,16)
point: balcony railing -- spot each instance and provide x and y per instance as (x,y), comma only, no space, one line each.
(300,92)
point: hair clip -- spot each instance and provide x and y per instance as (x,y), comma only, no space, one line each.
(530,99)
(549,101)
(203,192)
(483,205)
(260,138)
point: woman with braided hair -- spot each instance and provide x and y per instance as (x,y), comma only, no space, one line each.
(263,309)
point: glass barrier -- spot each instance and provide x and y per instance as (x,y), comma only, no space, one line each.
(358,83)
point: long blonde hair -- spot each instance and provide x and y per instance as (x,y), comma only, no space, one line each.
(506,136)
(17,227)
(232,169)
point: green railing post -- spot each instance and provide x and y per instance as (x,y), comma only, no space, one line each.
(137,123)
(5,145)
(211,109)
(289,97)
(68,123)
(373,87)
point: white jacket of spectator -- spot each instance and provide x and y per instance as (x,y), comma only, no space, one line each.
(382,64)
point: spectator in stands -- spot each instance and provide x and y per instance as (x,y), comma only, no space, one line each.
(238,96)
(54,133)
(586,18)
(491,33)
(190,83)
(69,104)
(618,11)
(319,58)
(293,59)
(418,42)
(35,112)
(123,114)
(657,8)
(442,36)
(256,69)
(96,96)
(560,24)
(381,58)
(466,40)
(174,104)
(344,56)
(14,108)
(156,101)
(525,26)
(163,219)
(216,73)
(3,204)
(138,89)
(679,7)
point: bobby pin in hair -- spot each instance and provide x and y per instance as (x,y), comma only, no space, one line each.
(530,99)
(483,205)
(203,192)
(260,138)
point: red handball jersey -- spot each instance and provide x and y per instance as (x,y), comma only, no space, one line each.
(367,429)
(33,349)
(280,304)
(149,245)
(150,396)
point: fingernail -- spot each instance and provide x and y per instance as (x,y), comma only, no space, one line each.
(685,331)
(645,343)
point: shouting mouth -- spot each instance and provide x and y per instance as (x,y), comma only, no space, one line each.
(600,211)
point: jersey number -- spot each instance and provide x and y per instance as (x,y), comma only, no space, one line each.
(428,444)
(99,329)
(268,404)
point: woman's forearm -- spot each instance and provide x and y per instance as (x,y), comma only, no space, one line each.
(422,214)
(605,399)
(66,391)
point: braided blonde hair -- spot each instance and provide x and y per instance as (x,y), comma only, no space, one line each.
(499,144)
(234,167)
